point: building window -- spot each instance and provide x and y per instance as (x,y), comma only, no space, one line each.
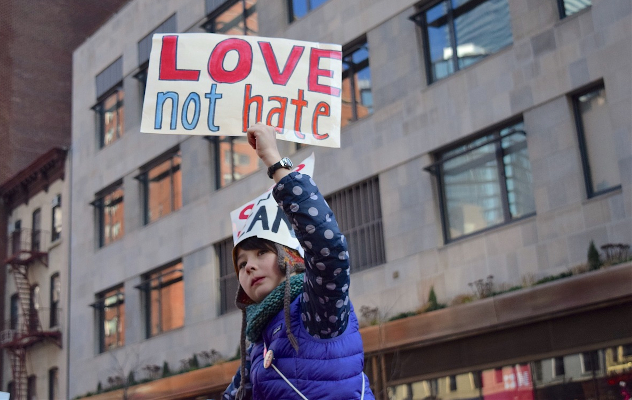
(471,29)
(357,99)
(590,361)
(110,117)
(110,308)
(485,182)
(234,158)
(16,238)
(55,298)
(626,350)
(31,388)
(162,183)
(34,306)
(299,8)
(235,17)
(15,310)
(570,7)
(228,281)
(164,299)
(359,214)
(110,214)
(53,384)
(558,366)
(11,389)
(36,230)
(596,142)
(56,219)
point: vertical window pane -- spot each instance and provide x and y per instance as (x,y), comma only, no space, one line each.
(228,281)
(599,141)
(440,49)
(164,188)
(165,299)
(112,117)
(472,191)
(56,219)
(356,94)
(301,7)
(112,305)
(517,172)
(112,216)
(482,31)
(236,20)
(236,159)
(36,232)
(573,6)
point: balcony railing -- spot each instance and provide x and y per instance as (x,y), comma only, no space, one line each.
(32,329)
(28,240)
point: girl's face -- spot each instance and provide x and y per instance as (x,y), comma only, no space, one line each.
(258,272)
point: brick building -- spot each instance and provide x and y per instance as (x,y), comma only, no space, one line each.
(485,144)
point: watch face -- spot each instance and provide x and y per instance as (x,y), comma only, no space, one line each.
(286,163)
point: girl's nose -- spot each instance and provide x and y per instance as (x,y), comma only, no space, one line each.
(250,266)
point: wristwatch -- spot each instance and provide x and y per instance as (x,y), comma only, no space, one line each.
(284,163)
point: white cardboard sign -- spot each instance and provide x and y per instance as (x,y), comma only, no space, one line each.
(262,217)
(210,84)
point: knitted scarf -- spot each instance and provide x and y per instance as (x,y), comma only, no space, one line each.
(259,315)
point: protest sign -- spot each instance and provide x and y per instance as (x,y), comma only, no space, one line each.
(263,218)
(210,84)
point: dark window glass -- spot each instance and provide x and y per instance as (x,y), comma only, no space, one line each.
(55,298)
(31,388)
(56,219)
(537,370)
(570,7)
(34,306)
(590,361)
(110,307)
(228,282)
(11,390)
(163,188)
(237,17)
(36,230)
(356,95)
(596,138)
(300,8)
(626,350)
(234,159)
(486,182)
(16,238)
(110,211)
(559,366)
(164,299)
(15,309)
(53,384)
(471,30)
(110,117)
(359,213)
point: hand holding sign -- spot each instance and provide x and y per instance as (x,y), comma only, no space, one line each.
(209,84)
(263,139)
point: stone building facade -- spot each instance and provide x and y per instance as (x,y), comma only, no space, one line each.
(462,176)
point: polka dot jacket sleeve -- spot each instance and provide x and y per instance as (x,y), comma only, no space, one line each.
(325,302)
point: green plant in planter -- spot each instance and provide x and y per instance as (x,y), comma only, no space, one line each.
(594,261)
(165,369)
(433,304)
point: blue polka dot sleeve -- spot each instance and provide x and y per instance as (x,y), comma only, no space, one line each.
(325,302)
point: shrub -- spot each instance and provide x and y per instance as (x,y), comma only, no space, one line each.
(165,369)
(462,299)
(594,261)
(433,304)
(402,315)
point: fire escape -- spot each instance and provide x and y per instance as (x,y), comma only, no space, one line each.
(24,330)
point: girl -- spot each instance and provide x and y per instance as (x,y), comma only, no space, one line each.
(302,328)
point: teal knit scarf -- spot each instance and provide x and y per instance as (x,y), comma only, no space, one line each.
(259,315)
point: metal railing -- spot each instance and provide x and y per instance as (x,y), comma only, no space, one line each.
(28,240)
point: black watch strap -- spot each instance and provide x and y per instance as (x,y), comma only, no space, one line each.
(284,163)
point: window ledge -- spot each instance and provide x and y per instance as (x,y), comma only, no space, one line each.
(54,244)
(604,194)
(491,229)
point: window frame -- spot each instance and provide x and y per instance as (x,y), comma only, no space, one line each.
(99,110)
(583,145)
(309,8)
(224,258)
(562,9)
(53,383)
(366,219)
(436,169)
(99,306)
(56,235)
(14,311)
(451,15)
(36,230)
(100,207)
(54,304)
(209,24)
(146,288)
(144,180)
(347,57)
